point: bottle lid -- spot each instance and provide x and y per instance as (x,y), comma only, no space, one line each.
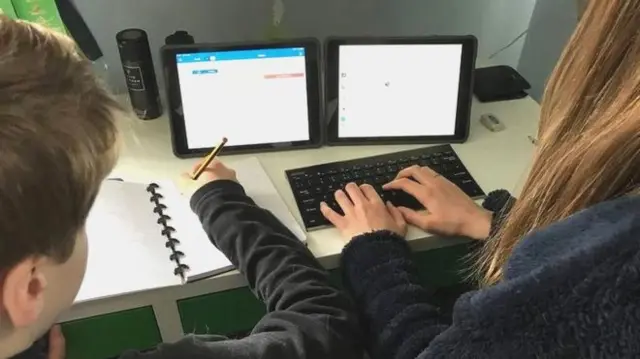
(131,35)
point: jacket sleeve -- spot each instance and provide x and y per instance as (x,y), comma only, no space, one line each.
(383,280)
(307,317)
(500,203)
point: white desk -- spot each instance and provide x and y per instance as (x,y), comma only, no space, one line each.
(496,160)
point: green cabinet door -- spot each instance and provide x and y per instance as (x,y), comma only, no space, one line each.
(235,312)
(108,335)
(231,313)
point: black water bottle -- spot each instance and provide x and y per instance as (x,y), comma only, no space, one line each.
(139,73)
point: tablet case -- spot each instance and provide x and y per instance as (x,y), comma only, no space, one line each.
(174,106)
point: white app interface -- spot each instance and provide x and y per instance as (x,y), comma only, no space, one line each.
(248,96)
(398,90)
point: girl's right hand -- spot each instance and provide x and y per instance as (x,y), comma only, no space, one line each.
(449,210)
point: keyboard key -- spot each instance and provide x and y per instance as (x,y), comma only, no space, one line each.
(309,202)
(406,200)
(311,210)
(315,221)
(300,184)
(380,180)
(314,181)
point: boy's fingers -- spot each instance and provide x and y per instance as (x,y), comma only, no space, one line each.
(56,344)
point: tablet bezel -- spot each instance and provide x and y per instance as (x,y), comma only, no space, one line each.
(332,73)
(174,100)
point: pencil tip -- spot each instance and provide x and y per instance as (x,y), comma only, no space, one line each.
(224,140)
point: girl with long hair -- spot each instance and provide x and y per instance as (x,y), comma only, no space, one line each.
(560,266)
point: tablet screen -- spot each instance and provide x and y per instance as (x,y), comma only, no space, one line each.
(398,90)
(251,97)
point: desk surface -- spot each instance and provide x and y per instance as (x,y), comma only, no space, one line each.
(496,160)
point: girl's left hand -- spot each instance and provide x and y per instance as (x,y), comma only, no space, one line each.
(364,212)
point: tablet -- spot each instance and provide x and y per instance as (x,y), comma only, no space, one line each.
(261,96)
(399,90)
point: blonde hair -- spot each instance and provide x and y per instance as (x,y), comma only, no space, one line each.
(57,140)
(589,136)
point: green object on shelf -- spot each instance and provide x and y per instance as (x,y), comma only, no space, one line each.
(43,12)
(6,8)
(108,335)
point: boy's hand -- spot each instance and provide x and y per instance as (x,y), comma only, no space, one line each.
(57,348)
(214,172)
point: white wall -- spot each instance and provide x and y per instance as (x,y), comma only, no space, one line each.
(494,22)
(552,24)
(502,22)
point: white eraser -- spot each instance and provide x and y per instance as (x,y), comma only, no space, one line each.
(491,122)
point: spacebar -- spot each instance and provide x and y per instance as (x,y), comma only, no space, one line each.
(404,199)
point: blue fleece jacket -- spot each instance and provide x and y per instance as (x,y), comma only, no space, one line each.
(570,290)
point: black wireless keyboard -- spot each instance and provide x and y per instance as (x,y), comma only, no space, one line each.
(312,185)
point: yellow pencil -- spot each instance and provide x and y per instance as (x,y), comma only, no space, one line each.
(208,159)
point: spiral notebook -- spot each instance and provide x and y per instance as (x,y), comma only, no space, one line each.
(145,236)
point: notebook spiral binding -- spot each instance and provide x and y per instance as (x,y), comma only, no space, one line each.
(167,231)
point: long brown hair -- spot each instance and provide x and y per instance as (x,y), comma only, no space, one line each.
(589,135)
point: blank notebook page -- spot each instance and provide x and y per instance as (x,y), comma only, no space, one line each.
(127,252)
